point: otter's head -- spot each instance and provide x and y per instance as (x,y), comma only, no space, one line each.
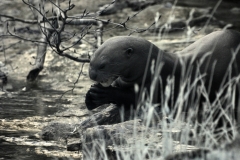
(121,56)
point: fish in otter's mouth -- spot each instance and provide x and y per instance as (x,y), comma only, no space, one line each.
(108,82)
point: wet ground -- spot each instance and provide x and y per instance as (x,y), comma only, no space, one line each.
(25,108)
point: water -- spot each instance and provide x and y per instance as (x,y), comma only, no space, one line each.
(24,110)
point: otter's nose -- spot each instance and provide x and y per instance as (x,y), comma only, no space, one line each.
(93,74)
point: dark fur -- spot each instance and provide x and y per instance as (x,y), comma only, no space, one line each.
(209,56)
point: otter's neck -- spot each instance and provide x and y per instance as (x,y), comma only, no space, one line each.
(169,63)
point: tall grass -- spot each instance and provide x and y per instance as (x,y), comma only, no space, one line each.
(177,127)
(188,124)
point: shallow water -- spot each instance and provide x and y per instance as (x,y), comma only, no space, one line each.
(21,116)
(21,152)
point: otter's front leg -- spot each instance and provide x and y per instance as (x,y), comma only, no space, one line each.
(98,95)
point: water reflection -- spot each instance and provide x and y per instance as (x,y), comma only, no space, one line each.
(16,109)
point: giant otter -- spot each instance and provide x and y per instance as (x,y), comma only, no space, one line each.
(124,61)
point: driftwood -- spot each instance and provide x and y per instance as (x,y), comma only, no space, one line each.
(197,21)
(198,18)
(117,5)
(40,58)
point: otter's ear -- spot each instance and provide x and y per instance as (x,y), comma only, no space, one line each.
(129,52)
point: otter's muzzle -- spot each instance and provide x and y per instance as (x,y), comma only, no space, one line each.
(93,74)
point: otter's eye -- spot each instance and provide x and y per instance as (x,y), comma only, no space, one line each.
(129,52)
(102,66)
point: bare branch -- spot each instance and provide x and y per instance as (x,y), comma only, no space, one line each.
(22,38)
(53,28)
(18,19)
(74,84)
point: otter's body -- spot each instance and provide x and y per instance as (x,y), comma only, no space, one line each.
(125,61)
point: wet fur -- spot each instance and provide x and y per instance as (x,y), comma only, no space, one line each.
(131,67)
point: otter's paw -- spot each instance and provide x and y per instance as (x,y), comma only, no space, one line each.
(97,96)
(89,103)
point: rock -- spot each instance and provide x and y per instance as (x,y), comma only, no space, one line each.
(57,130)
(96,140)
(110,115)
(74,144)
